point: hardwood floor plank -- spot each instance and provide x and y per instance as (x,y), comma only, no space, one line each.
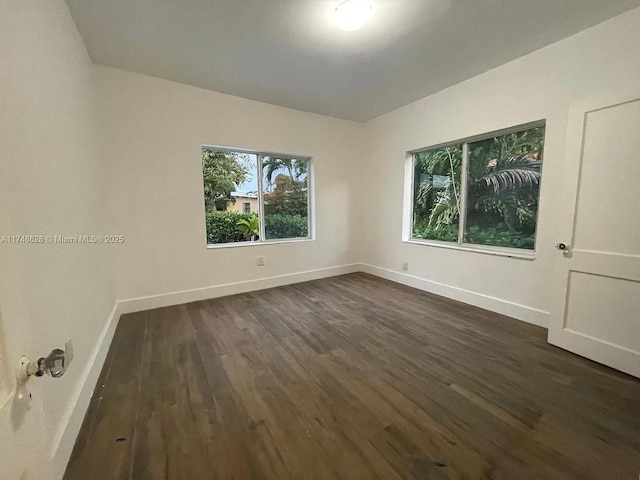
(105,443)
(355,378)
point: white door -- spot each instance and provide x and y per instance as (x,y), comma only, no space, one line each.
(24,453)
(24,450)
(596,310)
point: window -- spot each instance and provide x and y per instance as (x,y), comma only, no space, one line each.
(285,197)
(480,192)
(255,197)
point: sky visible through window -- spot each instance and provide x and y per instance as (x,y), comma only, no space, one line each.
(250,185)
(240,207)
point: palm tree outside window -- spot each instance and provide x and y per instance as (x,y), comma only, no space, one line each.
(280,185)
(494,204)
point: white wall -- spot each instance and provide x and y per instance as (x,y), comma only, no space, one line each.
(152,131)
(51,182)
(541,85)
(137,157)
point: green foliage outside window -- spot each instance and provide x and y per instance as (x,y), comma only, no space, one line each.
(285,197)
(222,227)
(284,225)
(222,172)
(284,189)
(227,227)
(249,228)
(437,191)
(503,185)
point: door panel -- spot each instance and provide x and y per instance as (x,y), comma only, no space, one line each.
(607,210)
(604,308)
(596,307)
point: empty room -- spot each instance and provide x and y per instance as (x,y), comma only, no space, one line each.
(319,239)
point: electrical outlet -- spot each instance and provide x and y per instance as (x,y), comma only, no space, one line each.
(405,266)
(68,348)
(260,260)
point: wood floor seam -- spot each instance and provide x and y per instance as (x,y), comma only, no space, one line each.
(354,378)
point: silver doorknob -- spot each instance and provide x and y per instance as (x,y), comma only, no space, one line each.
(561,246)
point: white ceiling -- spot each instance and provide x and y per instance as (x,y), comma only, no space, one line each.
(289,52)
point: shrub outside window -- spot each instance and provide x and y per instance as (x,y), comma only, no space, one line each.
(480,192)
(255,197)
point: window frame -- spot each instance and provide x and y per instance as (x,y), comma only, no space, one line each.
(460,244)
(260,155)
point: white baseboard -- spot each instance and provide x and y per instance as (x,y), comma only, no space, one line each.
(72,421)
(65,436)
(186,296)
(498,305)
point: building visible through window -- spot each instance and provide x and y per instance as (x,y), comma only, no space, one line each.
(255,197)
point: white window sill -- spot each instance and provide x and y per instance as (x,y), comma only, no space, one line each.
(497,251)
(253,244)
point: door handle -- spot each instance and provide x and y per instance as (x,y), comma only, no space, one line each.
(563,247)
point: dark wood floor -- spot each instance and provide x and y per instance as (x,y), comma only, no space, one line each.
(351,377)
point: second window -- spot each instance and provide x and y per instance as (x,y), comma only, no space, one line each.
(480,192)
(255,197)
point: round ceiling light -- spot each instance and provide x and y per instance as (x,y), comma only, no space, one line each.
(351,15)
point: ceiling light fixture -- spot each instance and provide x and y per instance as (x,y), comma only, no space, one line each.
(351,15)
